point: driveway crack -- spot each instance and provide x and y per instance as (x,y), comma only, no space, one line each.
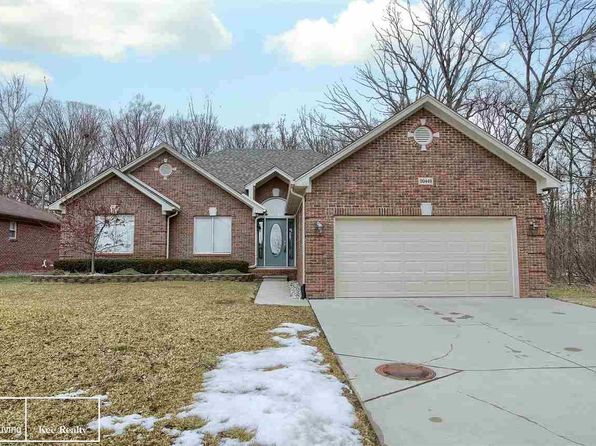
(523,417)
(442,356)
(537,348)
(410,387)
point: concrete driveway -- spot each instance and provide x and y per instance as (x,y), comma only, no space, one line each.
(509,371)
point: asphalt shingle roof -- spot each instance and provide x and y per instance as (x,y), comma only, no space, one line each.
(18,210)
(239,167)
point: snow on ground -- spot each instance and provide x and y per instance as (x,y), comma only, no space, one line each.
(72,394)
(81,393)
(119,424)
(284,395)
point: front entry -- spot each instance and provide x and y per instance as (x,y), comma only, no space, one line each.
(275,242)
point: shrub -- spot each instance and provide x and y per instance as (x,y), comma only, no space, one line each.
(127,272)
(151,266)
(229,271)
(177,271)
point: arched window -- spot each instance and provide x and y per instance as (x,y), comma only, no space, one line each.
(276,207)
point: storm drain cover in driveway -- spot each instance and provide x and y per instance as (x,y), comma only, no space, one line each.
(406,371)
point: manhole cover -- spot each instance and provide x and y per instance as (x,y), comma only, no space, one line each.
(406,371)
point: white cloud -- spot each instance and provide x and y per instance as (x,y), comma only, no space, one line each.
(346,40)
(32,73)
(110,29)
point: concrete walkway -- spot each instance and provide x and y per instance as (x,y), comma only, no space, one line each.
(277,292)
(508,371)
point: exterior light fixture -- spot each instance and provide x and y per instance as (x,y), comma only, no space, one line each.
(533,228)
(319,226)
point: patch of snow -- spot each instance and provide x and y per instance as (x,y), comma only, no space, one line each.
(293,329)
(78,393)
(284,395)
(192,437)
(232,442)
(171,432)
(119,424)
(72,394)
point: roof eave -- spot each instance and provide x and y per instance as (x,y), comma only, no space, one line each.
(256,207)
(166,204)
(544,180)
(268,175)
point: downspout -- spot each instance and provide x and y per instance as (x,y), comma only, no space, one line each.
(303,232)
(168,233)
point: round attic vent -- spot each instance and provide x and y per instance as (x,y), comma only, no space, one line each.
(165,169)
(423,135)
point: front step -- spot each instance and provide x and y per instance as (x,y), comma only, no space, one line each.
(284,278)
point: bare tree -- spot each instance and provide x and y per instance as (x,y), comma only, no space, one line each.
(92,229)
(288,134)
(315,134)
(550,40)
(71,137)
(135,130)
(195,134)
(235,138)
(19,160)
(437,47)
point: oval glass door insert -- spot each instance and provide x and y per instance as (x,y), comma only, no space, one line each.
(275,239)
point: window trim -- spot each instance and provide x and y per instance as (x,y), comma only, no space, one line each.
(212,218)
(132,244)
(13,227)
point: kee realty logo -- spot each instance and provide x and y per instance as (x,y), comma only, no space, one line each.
(52,419)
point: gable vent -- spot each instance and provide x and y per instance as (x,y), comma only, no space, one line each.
(423,135)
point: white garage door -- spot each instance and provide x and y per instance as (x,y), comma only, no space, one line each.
(408,257)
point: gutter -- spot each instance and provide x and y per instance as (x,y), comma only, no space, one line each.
(168,233)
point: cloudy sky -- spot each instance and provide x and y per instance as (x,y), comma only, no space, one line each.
(255,59)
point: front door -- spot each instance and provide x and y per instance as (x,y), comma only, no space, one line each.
(276,242)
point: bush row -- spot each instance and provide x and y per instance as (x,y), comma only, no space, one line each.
(150,266)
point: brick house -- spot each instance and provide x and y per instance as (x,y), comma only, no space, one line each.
(30,237)
(426,204)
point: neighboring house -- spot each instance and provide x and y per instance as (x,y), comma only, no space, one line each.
(30,237)
(426,204)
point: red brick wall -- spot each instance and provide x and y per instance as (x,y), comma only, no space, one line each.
(264,191)
(150,224)
(195,194)
(382,179)
(35,243)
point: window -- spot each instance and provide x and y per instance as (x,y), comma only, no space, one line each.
(12,230)
(115,234)
(213,235)
(276,207)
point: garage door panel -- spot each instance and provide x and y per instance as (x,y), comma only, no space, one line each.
(424,257)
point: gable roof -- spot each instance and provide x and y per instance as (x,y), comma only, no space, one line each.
(19,210)
(544,180)
(167,205)
(256,207)
(240,167)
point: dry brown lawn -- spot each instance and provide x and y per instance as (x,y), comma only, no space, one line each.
(144,345)
(582,295)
